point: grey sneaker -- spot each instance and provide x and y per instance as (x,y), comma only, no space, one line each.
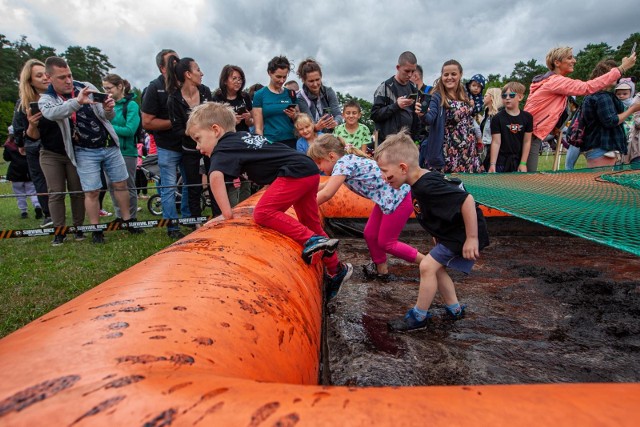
(46,222)
(79,236)
(408,322)
(97,237)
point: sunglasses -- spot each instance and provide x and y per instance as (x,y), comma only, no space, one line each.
(510,95)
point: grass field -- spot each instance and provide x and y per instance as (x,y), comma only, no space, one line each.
(36,277)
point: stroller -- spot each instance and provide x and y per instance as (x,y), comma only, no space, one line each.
(151,171)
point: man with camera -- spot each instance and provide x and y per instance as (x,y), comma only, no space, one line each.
(82,114)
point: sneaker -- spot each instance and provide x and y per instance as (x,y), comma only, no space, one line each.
(371,273)
(611,154)
(335,282)
(318,244)
(24,215)
(408,322)
(38,212)
(458,314)
(175,234)
(138,209)
(46,222)
(58,240)
(105,213)
(78,236)
(97,237)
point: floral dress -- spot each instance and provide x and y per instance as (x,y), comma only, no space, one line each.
(460,152)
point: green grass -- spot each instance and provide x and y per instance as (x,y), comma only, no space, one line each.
(36,277)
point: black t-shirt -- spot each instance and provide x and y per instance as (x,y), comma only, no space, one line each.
(51,136)
(242,100)
(437,202)
(263,161)
(154,102)
(511,130)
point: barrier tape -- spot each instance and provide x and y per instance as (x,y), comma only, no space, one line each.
(111,226)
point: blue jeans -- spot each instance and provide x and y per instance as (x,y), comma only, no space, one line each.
(168,162)
(572,157)
(89,161)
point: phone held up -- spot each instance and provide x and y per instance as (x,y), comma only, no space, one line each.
(34,108)
(633,48)
(99,96)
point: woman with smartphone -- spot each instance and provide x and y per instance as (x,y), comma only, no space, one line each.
(317,100)
(185,88)
(33,82)
(230,91)
(274,106)
(547,101)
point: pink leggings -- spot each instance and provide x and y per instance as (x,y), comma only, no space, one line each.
(300,193)
(382,231)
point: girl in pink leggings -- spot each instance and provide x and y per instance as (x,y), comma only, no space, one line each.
(347,164)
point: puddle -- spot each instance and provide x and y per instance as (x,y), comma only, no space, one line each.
(543,307)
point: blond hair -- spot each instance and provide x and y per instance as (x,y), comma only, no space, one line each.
(327,143)
(496,101)
(212,113)
(398,148)
(26,90)
(304,119)
(558,54)
(516,87)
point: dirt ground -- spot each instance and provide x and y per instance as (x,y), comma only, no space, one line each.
(543,307)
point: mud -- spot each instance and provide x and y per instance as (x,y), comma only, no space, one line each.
(543,307)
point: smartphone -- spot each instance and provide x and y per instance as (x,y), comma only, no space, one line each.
(241,110)
(327,111)
(34,108)
(633,49)
(413,96)
(99,96)
(291,107)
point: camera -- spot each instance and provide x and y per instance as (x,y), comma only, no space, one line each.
(99,96)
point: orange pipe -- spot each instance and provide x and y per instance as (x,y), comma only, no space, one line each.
(222,328)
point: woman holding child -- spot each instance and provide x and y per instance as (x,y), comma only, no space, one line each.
(548,95)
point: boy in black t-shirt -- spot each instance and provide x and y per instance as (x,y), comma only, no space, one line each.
(448,213)
(511,131)
(292,177)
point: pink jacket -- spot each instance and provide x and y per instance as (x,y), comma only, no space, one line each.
(548,97)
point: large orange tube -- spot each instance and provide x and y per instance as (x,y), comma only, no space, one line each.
(222,328)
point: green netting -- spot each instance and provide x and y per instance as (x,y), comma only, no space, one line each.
(602,205)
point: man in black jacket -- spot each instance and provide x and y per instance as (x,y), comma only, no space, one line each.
(394,101)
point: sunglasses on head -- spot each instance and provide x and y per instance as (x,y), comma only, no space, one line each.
(510,95)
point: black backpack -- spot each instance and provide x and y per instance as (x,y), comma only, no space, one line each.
(575,131)
(139,136)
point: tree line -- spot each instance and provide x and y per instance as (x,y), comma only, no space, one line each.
(91,64)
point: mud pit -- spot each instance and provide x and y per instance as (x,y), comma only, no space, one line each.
(543,307)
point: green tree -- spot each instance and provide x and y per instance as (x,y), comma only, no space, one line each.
(588,57)
(8,76)
(87,64)
(524,72)
(6,116)
(625,50)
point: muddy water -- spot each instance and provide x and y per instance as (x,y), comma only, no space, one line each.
(543,307)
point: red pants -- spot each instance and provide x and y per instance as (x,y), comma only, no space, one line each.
(300,193)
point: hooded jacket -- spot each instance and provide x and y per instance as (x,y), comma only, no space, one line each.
(478,100)
(548,97)
(55,108)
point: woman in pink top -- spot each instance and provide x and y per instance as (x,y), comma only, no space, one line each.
(548,94)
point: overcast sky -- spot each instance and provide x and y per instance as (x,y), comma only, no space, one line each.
(357,42)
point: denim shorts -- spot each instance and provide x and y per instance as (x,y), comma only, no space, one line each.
(448,258)
(594,153)
(89,162)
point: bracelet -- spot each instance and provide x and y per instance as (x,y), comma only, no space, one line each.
(622,70)
(523,163)
(492,164)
